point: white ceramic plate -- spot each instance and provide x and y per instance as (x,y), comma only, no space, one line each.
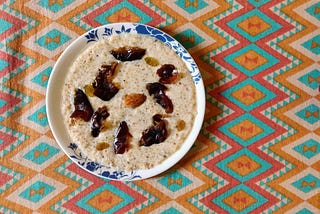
(54,99)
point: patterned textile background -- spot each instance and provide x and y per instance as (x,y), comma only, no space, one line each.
(258,151)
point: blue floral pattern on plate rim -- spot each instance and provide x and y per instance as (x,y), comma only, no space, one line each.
(101,32)
(94,35)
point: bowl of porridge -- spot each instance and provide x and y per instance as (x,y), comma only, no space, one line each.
(125,101)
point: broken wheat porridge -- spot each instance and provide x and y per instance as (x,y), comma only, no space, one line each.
(129,102)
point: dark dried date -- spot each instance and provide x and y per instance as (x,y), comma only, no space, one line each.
(109,70)
(122,139)
(156,133)
(167,73)
(83,108)
(158,91)
(164,101)
(97,119)
(155,88)
(106,91)
(128,53)
(102,85)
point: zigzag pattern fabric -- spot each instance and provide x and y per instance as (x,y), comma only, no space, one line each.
(258,150)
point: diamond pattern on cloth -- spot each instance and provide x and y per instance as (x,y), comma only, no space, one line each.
(258,150)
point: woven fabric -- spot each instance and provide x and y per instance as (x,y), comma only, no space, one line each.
(258,150)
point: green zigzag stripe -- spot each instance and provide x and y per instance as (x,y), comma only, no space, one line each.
(198,164)
(20,138)
(266,150)
(264,184)
(207,58)
(84,183)
(225,111)
(26,59)
(235,6)
(30,22)
(24,100)
(271,78)
(287,167)
(151,198)
(277,9)
(168,20)
(268,112)
(195,200)
(20,69)
(290,131)
(77,19)
(210,24)
(15,177)
(6,210)
(294,63)
(228,76)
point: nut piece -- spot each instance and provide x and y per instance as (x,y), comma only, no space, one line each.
(134,100)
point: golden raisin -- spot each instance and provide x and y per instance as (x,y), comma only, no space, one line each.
(151,61)
(101,146)
(180,125)
(105,125)
(89,90)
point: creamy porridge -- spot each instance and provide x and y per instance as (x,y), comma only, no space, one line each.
(133,105)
